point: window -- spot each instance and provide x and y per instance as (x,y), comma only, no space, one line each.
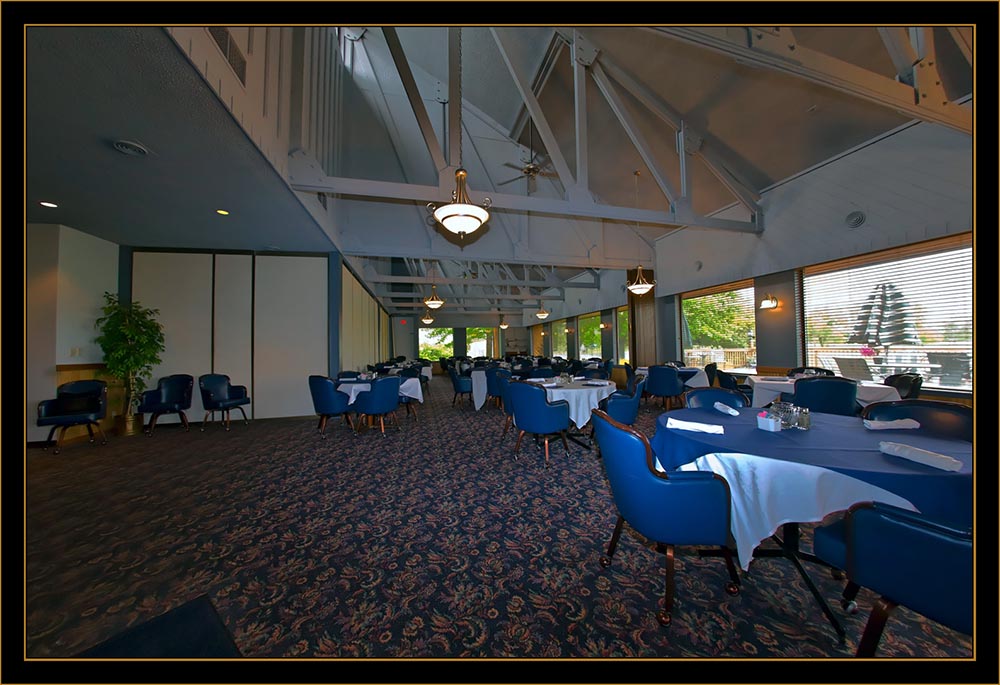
(559,348)
(717,325)
(904,310)
(622,334)
(480,342)
(436,343)
(589,334)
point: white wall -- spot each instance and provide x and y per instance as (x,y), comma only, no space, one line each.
(88,267)
(233,322)
(41,277)
(179,285)
(913,185)
(290,333)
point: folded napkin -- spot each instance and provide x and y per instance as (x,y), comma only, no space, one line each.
(599,384)
(550,385)
(926,457)
(873,425)
(726,409)
(536,380)
(694,426)
(579,378)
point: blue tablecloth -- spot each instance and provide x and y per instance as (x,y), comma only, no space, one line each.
(839,443)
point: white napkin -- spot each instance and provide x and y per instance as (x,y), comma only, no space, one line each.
(726,409)
(536,380)
(874,425)
(694,426)
(550,385)
(938,461)
(579,378)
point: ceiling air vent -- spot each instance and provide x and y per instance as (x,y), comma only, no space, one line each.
(855,219)
(131,148)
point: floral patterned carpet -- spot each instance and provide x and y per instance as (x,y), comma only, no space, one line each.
(430,542)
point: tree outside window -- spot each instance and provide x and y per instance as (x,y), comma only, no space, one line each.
(436,343)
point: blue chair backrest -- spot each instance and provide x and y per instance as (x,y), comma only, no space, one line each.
(707,397)
(710,370)
(176,388)
(663,381)
(914,561)
(942,418)
(625,409)
(82,397)
(410,372)
(827,394)
(492,381)
(327,400)
(680,508)
(533,412)
(542,372)
(345,374)
(381,399)
(594,373)
(213,387)
(726,380)
(508,404)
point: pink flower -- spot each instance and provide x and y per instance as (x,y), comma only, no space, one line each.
(867,351)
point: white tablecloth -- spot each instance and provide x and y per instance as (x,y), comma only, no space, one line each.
(427,372)
(768,493)
(698,380)
(410,387)
(769,388)
(582,398)
(478,388)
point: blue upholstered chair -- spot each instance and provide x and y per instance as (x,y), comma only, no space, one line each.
(707,397)
(328,402)
(542,372)
(826,394)
(77,403)
(171,396)
(217,394)
(907,384)
(818,370)
(380,401)
(493,384)
(676,508)
(907,559)
(409,402)
(506,403)
(461,384)
(948,419)
(600,374)
(346,375)
(533,413)
(710,371)
(728,381)
(625,408)
(664,382)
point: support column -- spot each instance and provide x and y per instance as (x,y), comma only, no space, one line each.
(334,305)
(608,341)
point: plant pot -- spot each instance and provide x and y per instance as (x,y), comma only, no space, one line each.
(130,424)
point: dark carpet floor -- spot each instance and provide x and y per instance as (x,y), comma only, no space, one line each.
(430,542)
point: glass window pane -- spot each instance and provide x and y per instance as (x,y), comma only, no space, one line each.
(909,315)
(621,320)
(436,343)
(589,335)
(559,339)
(479,341)
(720,328)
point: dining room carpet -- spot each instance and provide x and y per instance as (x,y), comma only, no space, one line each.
(430,542)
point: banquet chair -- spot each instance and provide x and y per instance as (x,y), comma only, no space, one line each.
(542,372)
(707,397)
(77,403)
(380,401)
(907,559)
(826,394)
(677,364)
(669,509)
(506,403)
(597,374)
(328,402)
(947,419)
(624,408)
(461,384)
(728,381)
(664,382)
(347,375)
(171,396)
(818,370)
(533,413)
(410,402)
(493,384)
(621,374)
(907,384)
(219,395)
(710,371)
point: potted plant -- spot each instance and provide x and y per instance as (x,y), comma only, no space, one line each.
(131,339)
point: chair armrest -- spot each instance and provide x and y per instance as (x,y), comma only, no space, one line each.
(237,392)
(48,408)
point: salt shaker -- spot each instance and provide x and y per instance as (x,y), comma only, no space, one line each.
(805,420)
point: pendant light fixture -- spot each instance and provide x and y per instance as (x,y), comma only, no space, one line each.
(460,216)
(427,318)
(433,302)
(640,286)
(542,313)
(503,324)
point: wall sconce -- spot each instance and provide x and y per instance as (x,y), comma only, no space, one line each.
(769,302)
(602,325)
(543,334)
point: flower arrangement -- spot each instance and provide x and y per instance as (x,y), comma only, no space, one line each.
(867,351)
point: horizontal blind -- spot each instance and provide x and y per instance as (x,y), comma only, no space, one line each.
(725,287)
(916,306)
(914,250)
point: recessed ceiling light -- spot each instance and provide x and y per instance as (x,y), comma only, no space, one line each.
(222,212)
(48,204)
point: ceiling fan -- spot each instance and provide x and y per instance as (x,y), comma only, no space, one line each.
(537,164)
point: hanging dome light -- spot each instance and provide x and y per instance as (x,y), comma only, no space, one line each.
(460,216)
(542,313)
(427,318)
(433,302)
(640,286)
(503,324)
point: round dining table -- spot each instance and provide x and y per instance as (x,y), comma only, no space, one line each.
(838,443)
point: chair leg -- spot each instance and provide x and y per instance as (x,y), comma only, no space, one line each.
(613,545)
(517,446)
(184,420)
(90,432)
(546,451)
(663,616)
(847,598)
(506,426)
(205,421)
(873,629)
(152,425)
(381,423)
(565,442)
(395,419)
(104,438)
(49,439)
(246,421)
(226,415)
(62,432)
(733,586)
(322,426)
(453,399)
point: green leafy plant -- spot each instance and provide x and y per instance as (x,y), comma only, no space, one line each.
(131,339)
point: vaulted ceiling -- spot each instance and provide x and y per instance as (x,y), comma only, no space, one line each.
(555,124)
